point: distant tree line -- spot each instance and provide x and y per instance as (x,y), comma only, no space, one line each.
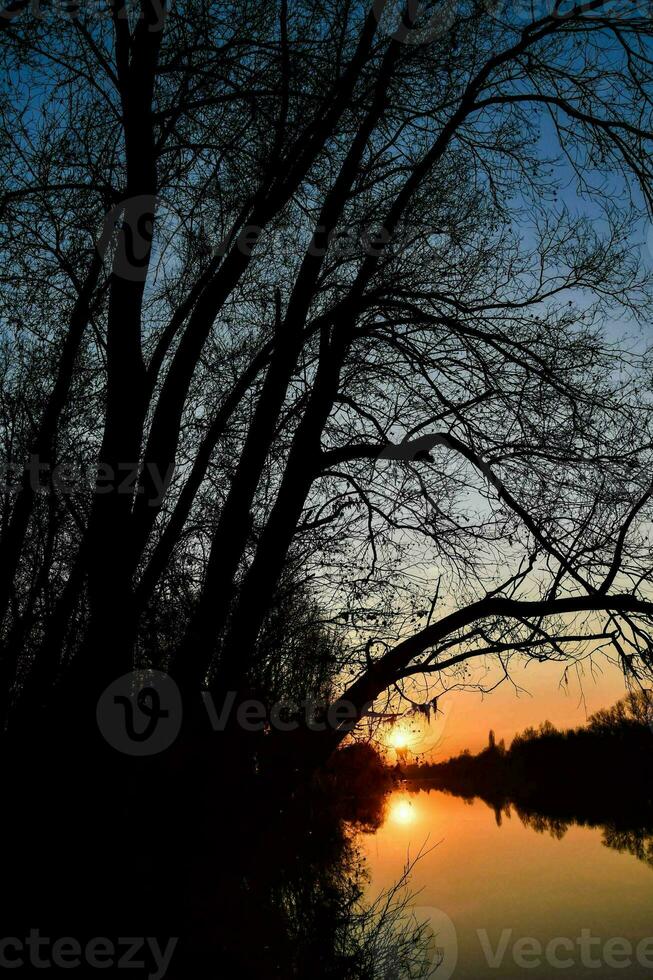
(604,769)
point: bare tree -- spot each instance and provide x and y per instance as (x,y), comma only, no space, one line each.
(347,285)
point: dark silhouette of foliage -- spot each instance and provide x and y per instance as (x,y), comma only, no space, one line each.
(600,774)
(308,386)
(289,282)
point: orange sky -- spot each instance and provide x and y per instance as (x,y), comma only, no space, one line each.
(468,716)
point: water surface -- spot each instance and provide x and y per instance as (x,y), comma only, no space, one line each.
(488,880)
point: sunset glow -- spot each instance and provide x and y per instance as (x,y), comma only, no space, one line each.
(398,739)
(402,811)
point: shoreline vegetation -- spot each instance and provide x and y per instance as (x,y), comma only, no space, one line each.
(612,752)
(598,775)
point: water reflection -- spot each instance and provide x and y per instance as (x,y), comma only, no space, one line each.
(502,873)
(313,883)
(402,811)
(634,840)
(289,896)
(629,830)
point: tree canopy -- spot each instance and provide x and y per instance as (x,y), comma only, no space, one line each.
(347,294)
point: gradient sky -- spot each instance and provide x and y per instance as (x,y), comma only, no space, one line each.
(468,716)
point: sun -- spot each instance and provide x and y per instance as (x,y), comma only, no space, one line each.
(398,739)
(403,812)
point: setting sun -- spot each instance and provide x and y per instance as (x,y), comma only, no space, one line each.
(398,739)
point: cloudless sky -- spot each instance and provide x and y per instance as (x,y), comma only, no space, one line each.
(468,716)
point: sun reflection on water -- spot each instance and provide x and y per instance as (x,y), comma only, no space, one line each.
(402,811)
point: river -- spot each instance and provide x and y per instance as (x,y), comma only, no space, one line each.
(508,897)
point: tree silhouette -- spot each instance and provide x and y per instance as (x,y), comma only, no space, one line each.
(332,287)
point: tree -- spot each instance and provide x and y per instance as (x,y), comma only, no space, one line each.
(633,711)
(332,284)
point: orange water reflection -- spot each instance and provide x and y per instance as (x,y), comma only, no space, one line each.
(498,880)
(402,811)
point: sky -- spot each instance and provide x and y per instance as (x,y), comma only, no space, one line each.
(467,716)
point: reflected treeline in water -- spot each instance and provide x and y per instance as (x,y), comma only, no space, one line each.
(258,881)
(284,893)
(227,842)
(626,828)
(638,842)
(618,835)
(598,776)
(221,844)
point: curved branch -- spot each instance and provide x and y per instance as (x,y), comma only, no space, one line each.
(390,667)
